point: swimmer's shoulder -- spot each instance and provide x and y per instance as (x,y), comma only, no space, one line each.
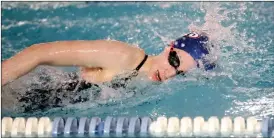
(133,51)
(130,55)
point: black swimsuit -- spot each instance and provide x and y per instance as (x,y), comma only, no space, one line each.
(71,90)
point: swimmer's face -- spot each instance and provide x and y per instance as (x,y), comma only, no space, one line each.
(170,63)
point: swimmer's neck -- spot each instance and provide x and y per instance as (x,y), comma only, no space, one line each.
(147,65)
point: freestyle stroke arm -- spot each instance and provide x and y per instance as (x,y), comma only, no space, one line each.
(60,53)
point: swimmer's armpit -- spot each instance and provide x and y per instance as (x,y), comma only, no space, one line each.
(97,75)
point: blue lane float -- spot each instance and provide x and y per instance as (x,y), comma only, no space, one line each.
(134,126)
(71,127)
(268,126)
(109,126)
(137,127)
(83,128)
(122,127)
(96,127)
(146,121)
(58,127)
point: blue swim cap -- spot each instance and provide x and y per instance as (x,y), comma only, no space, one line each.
(197,46)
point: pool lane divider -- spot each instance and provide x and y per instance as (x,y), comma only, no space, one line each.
(83,127)
(138,127)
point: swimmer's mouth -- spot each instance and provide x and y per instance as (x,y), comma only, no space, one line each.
(158,76)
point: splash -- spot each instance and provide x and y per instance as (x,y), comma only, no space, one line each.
(241,33)
(234,44)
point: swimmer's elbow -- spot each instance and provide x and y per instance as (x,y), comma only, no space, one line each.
(40,52)
(20,64)
(36,52)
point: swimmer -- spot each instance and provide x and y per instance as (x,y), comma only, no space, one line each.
(101,60)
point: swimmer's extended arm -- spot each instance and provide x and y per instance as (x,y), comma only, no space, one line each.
(20,64)
(99,53)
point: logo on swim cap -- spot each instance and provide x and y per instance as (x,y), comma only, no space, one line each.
(193,35)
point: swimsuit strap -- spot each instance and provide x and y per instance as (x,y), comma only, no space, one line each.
(124,83)
(142,63)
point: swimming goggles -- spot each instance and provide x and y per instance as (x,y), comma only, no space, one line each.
(174,59)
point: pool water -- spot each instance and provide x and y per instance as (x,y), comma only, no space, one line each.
(243,32)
